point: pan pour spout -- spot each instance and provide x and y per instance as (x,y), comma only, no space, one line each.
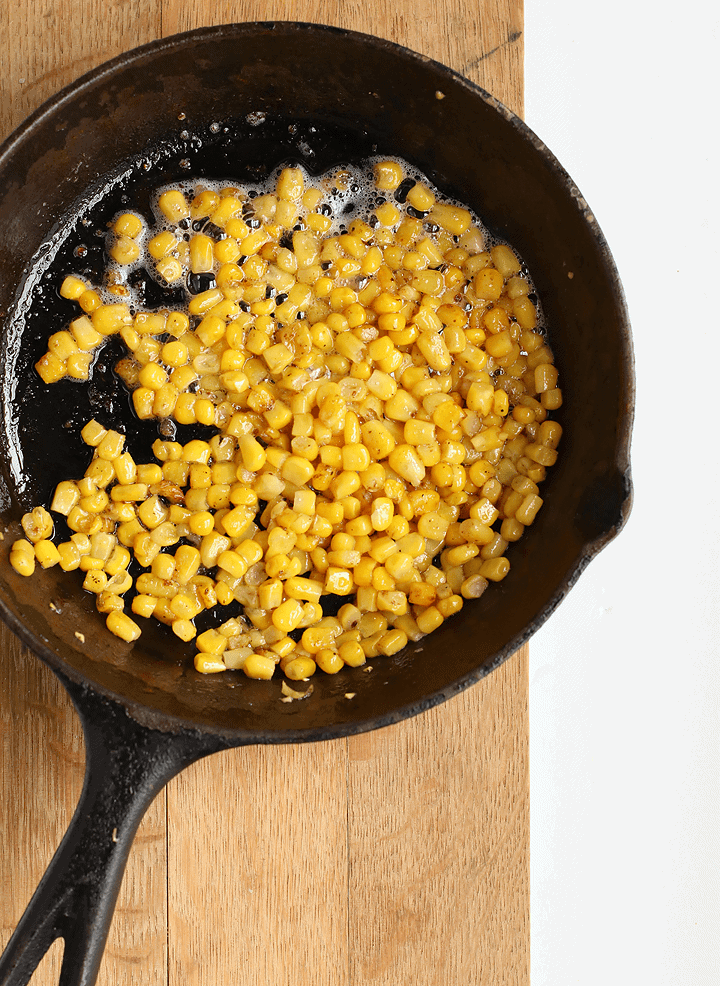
(127,764)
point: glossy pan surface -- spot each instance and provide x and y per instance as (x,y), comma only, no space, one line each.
(233,102)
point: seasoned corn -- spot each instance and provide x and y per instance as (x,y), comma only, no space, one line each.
(380,398)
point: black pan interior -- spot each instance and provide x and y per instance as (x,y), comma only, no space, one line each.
(233,103)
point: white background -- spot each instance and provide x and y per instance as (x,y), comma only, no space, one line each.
(625,677)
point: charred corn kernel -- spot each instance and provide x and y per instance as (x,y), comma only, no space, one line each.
(163,566)
(252,452)
(250,551)
(290,184)
(505,260)
(122,626)
(541,454)
(109,602)
(318,638)
(382,513)
(451,218)
(90,564)
(84,334)
(338,581)
(422,594)
(224,594)
(201,522)
(109,319)
(392,601)
(162,244)
(297,470)
(37,524)
(488,284)
(270,594)
(551,399)
(377,439)
(420,197)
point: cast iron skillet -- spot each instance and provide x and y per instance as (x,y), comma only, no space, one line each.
(231,102)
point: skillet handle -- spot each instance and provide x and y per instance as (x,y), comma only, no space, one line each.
(127,764)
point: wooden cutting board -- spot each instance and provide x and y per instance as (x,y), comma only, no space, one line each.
(396,857)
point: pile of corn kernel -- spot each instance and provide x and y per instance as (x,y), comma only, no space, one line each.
(380,399)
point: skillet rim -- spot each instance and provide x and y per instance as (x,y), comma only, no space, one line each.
(166,722)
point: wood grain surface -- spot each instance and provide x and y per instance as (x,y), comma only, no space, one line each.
(396,857)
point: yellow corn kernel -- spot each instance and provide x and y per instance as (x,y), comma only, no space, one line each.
(252,452)
(50,368)
(144,605)
(89,300)
(212,664)
(122,626)
(377,439)
(124,250)
(259,666)
(288,615)
(329,661)
(406,462)
(352,654)
(22,557)
(297,470)
(392,601)
(430,619)
(173,205)
(211,642)
(300,668)
(392,642)
(290,184)
(387,214)
(302,588)
(201,253)
(72,287)
(494,569)
(184,629)
(37,524)
(449,606)
(451,218)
